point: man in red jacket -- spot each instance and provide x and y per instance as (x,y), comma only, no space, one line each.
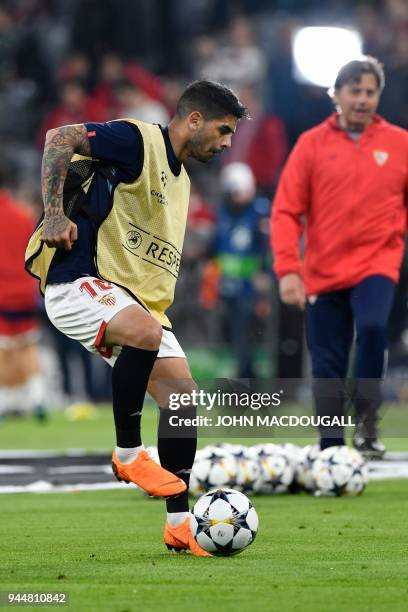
(21,380)
(344,187)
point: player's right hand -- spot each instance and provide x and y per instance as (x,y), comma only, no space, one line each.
(291,290)
(59,232)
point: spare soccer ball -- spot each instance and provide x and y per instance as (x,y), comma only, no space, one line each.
(276,471)
(224,522)
(340,470)
(304,466)
(248,472)
(213,467)
(292,451)
(195,489)
(260,450)
(247,467)
(234,449)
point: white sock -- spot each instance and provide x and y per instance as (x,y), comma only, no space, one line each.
(176,518)
(12,399)
(127,455)
(35,390)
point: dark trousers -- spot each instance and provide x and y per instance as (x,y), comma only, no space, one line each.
(238,324)
(330,326)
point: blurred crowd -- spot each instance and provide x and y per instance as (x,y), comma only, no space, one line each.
(69,61)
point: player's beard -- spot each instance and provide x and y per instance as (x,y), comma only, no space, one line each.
(199,148)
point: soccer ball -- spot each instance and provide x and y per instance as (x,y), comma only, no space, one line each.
(247,466)
(304,466)
(340,470)
(260,450)
(213,467)
(234,449)
(292,451)
(195,489)
(224,522)
(248,472)
(276,470)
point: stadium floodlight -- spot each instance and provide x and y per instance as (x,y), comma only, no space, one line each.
(320,52)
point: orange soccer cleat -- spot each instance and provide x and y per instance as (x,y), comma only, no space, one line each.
(148,475)
(180,539)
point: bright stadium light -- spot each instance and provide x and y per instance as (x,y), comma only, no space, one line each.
(320,52)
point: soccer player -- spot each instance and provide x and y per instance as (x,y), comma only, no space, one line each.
(107,254)
(344,186)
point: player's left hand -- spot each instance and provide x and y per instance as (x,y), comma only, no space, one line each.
(59,232)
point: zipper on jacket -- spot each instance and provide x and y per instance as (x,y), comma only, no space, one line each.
(356,155)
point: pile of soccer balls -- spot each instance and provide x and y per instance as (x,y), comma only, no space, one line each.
(270,469)
(223,520)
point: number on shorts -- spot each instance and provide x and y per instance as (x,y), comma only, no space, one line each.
(87,287)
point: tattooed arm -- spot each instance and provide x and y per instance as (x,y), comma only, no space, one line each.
(60,145)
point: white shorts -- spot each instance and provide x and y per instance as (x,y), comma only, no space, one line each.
(82,310)
(23,340)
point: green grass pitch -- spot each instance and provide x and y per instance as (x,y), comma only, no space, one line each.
(105,549)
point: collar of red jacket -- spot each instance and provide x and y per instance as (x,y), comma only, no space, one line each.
(376,123)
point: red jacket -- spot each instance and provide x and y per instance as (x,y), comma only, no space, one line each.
(349,198)
(90,110)
(18,290)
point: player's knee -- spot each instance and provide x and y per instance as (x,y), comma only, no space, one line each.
(155,336)
(150,336)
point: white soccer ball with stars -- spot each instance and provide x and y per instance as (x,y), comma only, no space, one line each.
(213,468)
(275,470)
(304,466)
(248,468)
(224,522)
(340,470)
(292,451)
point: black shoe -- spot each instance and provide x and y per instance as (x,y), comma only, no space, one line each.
(40,414)
(370,448)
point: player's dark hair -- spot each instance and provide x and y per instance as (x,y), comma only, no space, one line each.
(213,100)
(353,71)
